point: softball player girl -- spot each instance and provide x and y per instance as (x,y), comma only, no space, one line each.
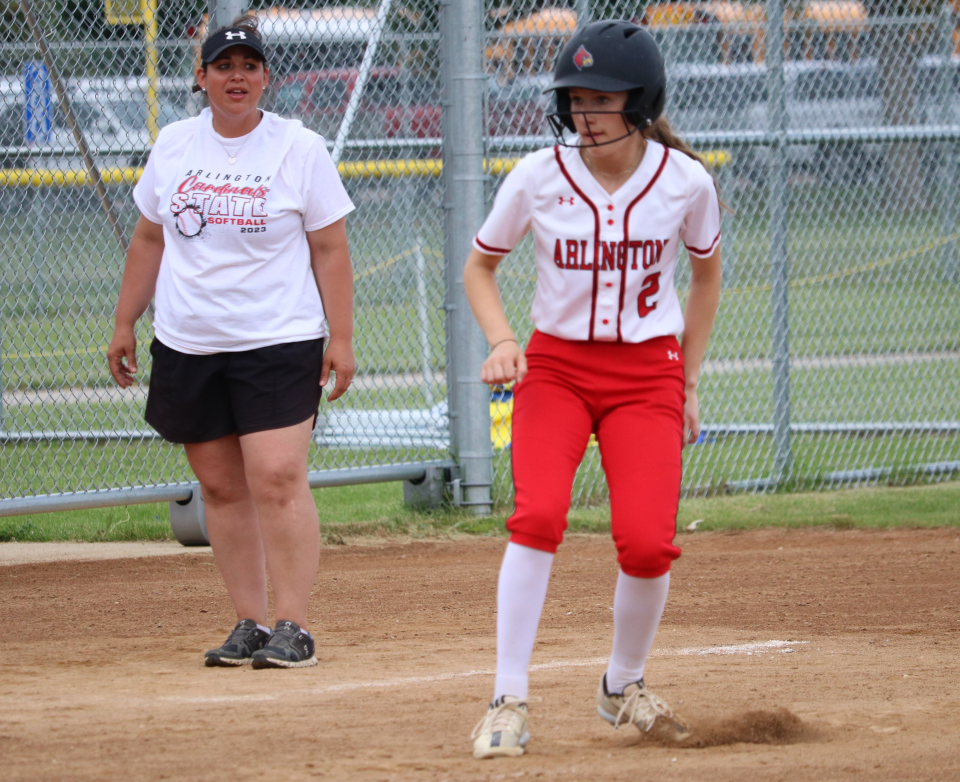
(608,211)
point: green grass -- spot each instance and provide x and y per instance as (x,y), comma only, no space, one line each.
(818,394)
(378,510)
(29,469)
(937,505)
(132,522)
(68,349)
(43,468)
(864,279)
(58,289)
(709,468)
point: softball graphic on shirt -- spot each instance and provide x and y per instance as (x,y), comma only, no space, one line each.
(190,221)
(209,198)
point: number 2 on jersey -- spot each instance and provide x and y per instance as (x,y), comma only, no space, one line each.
(649,287)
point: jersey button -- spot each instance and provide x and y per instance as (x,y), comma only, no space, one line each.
(605,321)
(610,207)
(609,222)
(609,284)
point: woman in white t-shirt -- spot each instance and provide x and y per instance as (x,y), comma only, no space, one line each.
(608,208)
(242,239)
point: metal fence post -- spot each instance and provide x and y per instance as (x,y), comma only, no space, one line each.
(38,227)
(461,33)
(423,318)
(222,12)
(2,427)
(778,196)
(363,76)
(728,224)
(948,174)
(583,13)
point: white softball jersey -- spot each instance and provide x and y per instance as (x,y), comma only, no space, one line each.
(605,263)
(235,273)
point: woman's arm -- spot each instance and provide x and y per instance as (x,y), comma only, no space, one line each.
(330,258)
(698,320)
(506,361)
(139,282)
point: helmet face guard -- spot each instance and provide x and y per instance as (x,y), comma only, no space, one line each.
(610,56)
(561,121)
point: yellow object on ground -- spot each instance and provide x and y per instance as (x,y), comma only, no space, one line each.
(501,423)
(501,420)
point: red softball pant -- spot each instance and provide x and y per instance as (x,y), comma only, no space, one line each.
(631,396)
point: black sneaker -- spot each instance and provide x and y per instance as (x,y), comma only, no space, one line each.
(240,645)
(289,647)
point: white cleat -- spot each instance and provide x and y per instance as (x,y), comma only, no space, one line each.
(502,732)
(636,705)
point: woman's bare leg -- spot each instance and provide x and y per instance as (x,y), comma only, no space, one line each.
(275,462)
(233,525)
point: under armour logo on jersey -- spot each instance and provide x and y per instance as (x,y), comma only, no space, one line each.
(582,59)
(231,36)
(672,355)
(568,201)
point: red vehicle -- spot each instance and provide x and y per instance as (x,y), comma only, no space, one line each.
(398,104)
(394,103)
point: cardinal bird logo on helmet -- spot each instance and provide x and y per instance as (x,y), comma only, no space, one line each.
(582,59)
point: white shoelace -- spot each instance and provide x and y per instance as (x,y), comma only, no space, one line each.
(642,709)
(498,718)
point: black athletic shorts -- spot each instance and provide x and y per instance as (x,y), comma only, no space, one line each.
(194,399)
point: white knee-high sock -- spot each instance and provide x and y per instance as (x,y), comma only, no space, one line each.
(521,591)
(637,608)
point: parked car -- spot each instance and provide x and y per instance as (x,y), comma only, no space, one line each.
(101,127)
(111,112)
(699,98)
(394,102)
(832,95)
(518,106)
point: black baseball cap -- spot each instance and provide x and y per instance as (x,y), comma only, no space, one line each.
(222,40)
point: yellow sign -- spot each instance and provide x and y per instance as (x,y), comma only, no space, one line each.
(142,12)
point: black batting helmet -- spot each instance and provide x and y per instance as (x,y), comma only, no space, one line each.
(611,56)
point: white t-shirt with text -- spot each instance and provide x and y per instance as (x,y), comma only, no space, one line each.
(236,273)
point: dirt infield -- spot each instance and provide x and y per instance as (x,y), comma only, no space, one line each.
(796,655)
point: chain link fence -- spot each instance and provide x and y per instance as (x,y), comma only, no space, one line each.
(833,136)
(832,129)
(364,78)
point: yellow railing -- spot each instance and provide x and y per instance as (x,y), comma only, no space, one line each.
(53,177)
(355,169)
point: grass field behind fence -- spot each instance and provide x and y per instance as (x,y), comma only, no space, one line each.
(376,510)
(865,281)
(897,393)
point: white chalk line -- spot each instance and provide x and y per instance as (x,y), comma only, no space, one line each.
(757,647)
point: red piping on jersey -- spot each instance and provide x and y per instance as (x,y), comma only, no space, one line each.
(626,236)
(709,250)
(491,250)
(596,240)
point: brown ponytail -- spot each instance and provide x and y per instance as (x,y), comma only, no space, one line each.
(662,132)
